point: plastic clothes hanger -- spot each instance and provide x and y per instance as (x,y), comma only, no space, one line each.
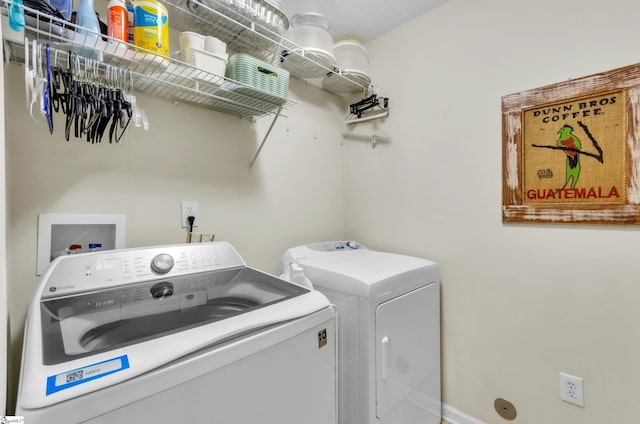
(368,104)
(94,97)
(139,116)
(125,110)
(27,74)
(48,104)
(69,96)
(34,83)
(60,85)
(121,107)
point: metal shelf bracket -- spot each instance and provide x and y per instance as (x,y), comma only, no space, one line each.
(275,118)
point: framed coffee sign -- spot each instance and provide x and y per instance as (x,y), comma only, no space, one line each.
(571,151)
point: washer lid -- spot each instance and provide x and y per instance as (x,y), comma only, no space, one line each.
(360,271)
(88,323)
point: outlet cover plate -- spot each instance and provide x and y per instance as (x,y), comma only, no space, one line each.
(571,389)
(189,208)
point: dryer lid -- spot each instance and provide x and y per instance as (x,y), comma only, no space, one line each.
(360,271)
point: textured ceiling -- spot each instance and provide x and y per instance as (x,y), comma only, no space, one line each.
(366,19)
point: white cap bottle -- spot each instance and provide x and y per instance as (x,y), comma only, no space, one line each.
(118,20)
(297,276)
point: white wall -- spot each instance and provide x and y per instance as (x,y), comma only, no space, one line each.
(520,303)
(292,196)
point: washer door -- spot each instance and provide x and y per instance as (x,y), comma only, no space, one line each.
(407,347)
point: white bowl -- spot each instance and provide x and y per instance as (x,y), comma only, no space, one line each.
(351,56)
(314,38)
(311,31)
(310,34)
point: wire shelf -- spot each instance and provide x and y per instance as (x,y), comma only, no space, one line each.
(242,34)
(152,74)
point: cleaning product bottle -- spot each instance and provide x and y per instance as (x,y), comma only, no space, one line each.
(131,20)
(86,18)
(118,20)
(151,26)
(297,276)
(65,7)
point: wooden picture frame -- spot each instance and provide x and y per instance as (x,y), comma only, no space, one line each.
(571,151)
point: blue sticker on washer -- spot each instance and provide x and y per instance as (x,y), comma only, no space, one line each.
(68,379)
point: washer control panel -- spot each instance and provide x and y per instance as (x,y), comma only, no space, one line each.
(111,268)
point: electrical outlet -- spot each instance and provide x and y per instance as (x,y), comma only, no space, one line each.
(571,389)
(189,208)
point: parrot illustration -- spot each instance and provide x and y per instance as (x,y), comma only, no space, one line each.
(570,141)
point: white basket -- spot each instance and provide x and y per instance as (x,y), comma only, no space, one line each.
(207,61)
(191,40)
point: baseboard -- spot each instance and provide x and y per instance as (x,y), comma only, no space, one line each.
(454,416)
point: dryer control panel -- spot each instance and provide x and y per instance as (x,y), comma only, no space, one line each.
(335,246)
(297,255)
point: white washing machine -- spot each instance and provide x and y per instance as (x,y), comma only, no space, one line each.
(184,333)
(388,330)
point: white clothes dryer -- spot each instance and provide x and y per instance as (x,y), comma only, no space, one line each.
(183,333)
(388,330)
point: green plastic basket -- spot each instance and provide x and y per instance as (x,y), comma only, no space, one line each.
(258,74)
